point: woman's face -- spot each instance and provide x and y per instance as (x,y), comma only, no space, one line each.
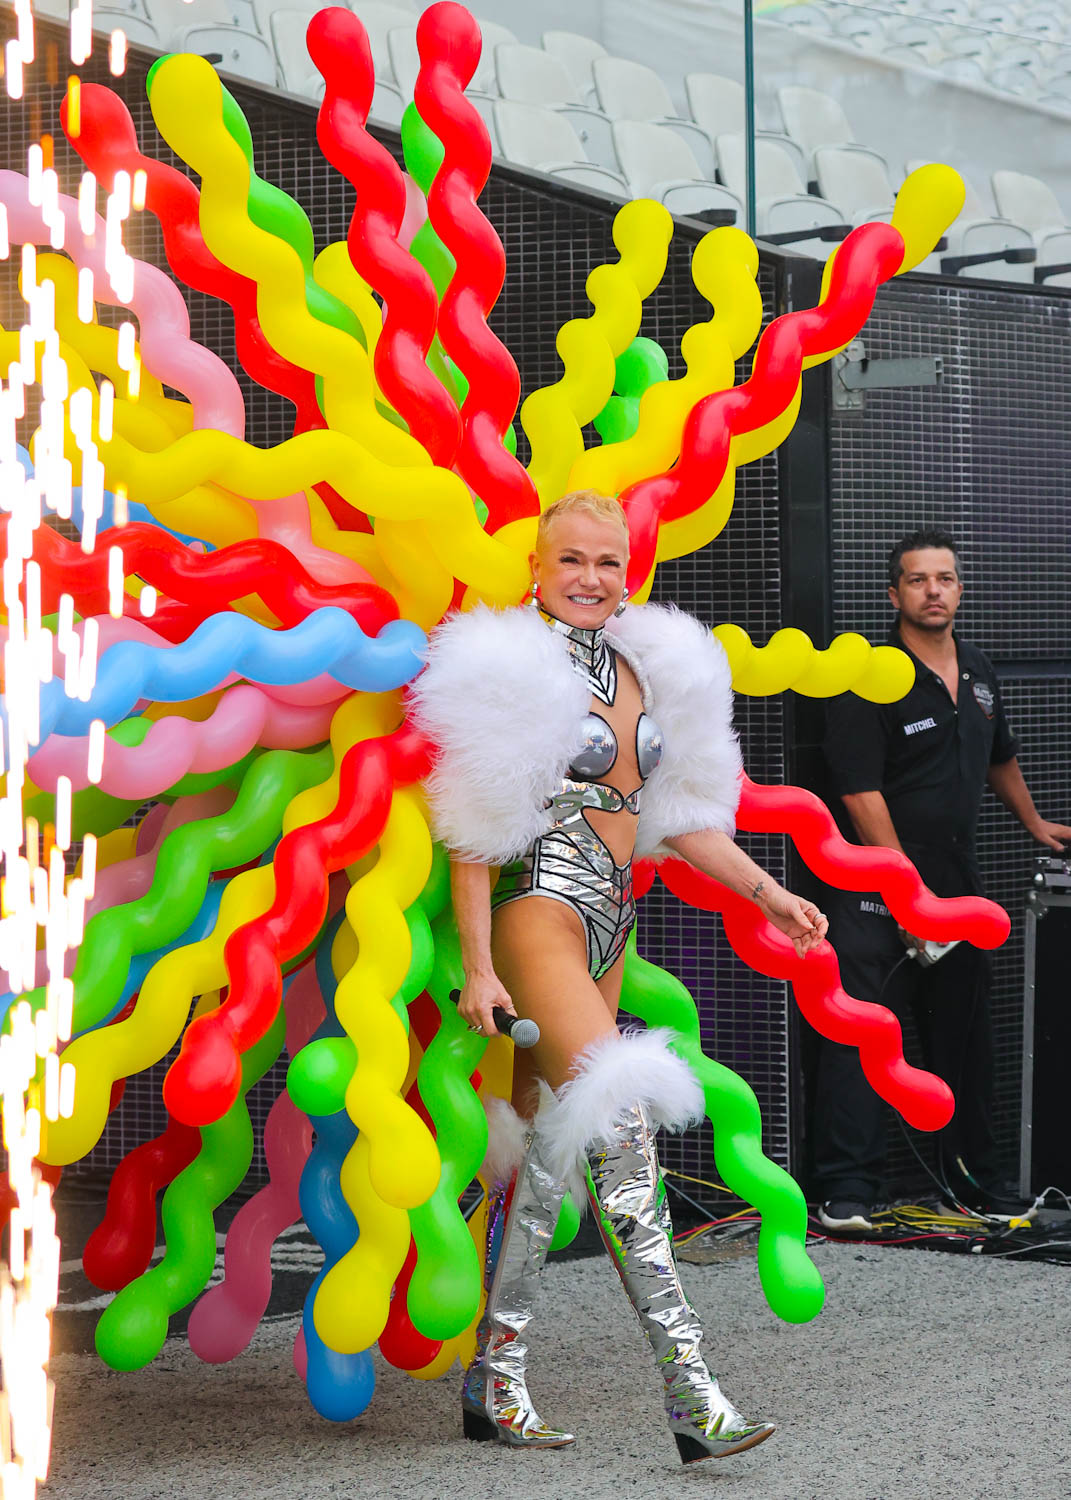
(580,569)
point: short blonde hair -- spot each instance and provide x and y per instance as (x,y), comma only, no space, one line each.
(583,503)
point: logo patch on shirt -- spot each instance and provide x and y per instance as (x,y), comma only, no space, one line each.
(984,697)
(919,725)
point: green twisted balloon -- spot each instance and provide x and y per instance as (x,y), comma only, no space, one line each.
(187,859)
(444,1292)
(790,1280)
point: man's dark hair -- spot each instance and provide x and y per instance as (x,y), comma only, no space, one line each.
(915,541)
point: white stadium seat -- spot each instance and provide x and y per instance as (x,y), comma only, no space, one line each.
(529,75)
(136,28)
(484,79)
(658,163)
(299,76)
(545,140)
(1029,201)
(232,50)
(978,232)
(578,53)
(631,91)
(717,104)
(785,212)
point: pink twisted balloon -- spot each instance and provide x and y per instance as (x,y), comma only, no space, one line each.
(167,350)
(175,747)
(226,1317)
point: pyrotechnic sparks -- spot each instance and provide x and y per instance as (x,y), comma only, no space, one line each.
(42,906)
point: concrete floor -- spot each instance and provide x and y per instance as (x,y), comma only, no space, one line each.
(927,1374)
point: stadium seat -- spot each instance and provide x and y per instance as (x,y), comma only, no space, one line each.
(857,180)
(263,10)
(173,19)
(136,28)
(981,244)
(378,18)
(545,140)
(786,214)
(864,29)
(921,40)
(631,91)
(577,53)
(658,163)
(299,76)
(1029,201)
(484,80)
(717,104)
(813,119)
(232,49)
(531,76)
(805,17)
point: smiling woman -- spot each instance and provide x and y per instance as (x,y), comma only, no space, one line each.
(572,735)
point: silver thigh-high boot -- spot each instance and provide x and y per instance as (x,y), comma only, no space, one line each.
(522,1212)
(616,1143)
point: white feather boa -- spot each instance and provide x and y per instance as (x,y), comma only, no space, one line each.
(503,704)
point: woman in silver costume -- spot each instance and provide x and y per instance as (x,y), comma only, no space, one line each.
(570,737)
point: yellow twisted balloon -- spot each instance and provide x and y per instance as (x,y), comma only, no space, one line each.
(553,416)
(394,1164)
(881,674)
(724,266)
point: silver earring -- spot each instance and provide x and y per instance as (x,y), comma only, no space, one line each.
(620,610)
(534,600)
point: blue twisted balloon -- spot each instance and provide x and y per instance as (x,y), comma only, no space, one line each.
(327,640)
(340,1386)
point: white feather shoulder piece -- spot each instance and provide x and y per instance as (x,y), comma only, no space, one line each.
(689,693)
(502,703)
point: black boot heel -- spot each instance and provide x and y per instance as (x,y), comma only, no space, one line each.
(479,1428)
(693,1449)
(689,1448)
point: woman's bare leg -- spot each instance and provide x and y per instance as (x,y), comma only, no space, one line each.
(540,957)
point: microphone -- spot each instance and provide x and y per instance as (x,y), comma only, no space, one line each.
(521,1032)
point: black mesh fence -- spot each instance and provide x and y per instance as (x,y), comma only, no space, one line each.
(985,454)
(552,240)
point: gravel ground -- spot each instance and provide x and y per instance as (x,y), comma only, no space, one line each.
(927,1375)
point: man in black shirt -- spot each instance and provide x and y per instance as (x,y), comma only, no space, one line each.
(910,776)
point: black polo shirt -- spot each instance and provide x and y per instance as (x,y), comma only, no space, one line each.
(928,757)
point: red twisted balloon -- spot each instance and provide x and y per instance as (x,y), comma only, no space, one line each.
(924,1100)
(108,143)
(121,1246)
(449,43)
(849,867)
(338,45)
(204,582)
(204,1080)
(871,254)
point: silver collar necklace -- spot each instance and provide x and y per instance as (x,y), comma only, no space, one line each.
(590,655)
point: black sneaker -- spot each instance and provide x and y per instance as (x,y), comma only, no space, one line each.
(845,1216)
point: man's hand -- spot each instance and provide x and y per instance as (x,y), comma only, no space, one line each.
(800,920)
(907,940)
(1054,836)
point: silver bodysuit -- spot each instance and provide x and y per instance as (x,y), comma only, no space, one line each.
(570,863)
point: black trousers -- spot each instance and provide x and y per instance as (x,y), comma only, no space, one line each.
(950,1006)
